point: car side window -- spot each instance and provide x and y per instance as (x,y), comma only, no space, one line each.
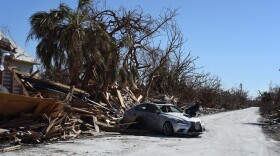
(164,108)
(142,108)
(152,108)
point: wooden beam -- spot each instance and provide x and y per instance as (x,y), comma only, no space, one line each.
(70,94)
(121,99)
(81,110)
(20,83)
(140,97)
(17,71)
(95,125)
(33,74)
(130,93)
(12,148)
(106,98)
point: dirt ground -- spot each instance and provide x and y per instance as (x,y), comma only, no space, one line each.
(235,133)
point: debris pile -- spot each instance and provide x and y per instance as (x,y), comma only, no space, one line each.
(271,124)
(206,110)
(50,111)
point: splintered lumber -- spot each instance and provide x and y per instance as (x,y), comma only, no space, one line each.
(120,99)
(132,96)
(33,74)
(103,104)
(60,111)
(12,148)
(70,94)
(103,124)
(49,93)
(140,97)
(20,83)
(41,84)
(51,125)
(3,131)
(106,98)
(97,104)
(52,85)
(81,110)
(95,125)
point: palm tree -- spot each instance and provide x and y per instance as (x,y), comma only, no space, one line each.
(69,39)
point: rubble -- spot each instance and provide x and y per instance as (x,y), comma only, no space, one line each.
(196,108)
(271,125)
(50,111)
(206,110)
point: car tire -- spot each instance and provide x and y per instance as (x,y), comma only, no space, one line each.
(168,129)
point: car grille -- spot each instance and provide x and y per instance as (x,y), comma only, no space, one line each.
(195,127)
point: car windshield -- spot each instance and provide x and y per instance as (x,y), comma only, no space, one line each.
(170,108)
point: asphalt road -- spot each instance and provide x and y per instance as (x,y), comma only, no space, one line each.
(234,133)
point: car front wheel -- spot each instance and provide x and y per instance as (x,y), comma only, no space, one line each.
(168,129)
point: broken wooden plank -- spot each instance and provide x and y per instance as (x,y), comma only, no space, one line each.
(132,96)
(70,94)
(106,98)
(103,124)
(95,125)
(3,130)
(103,104)
(13,104)
(50,126)
(81,110)
(139,98)
(33,74)
(97,104)
(121,99)
(20,83)
(12,148)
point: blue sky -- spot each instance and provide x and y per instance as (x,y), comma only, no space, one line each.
(237,40)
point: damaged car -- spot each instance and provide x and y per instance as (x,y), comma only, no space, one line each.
(166,118)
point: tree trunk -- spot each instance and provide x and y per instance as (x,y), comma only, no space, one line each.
(147,89)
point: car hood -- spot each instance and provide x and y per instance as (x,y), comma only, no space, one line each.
(181,116)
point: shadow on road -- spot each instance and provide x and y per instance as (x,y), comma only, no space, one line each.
(149,133)
(255,124)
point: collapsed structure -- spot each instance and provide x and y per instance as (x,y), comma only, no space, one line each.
(34,110)
(14,57)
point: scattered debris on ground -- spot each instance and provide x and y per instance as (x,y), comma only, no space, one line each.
(271,125)
(205,111)
(50,111)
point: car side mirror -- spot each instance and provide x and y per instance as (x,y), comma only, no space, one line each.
(158,111)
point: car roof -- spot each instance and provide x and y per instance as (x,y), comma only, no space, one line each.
(158,104)
(164,104)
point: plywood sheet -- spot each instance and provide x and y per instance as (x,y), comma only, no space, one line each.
(13,104)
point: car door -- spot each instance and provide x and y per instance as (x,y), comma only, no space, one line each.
(152,117)
(140,116)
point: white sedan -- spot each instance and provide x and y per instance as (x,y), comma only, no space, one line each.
(166,118)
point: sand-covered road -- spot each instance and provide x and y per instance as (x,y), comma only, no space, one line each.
(234,133)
